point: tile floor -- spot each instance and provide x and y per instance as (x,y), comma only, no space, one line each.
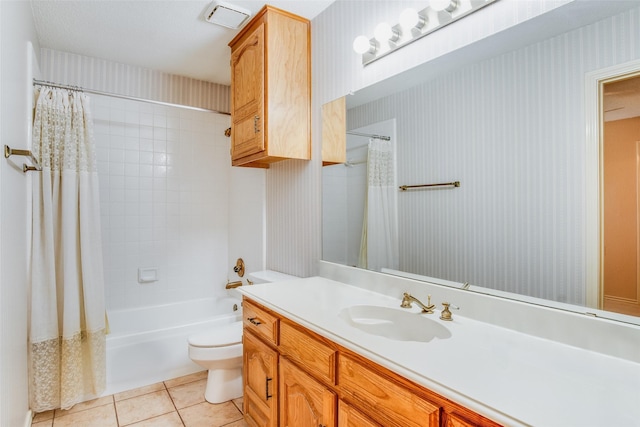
(175,403)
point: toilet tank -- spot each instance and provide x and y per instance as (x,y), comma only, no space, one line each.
(268,276)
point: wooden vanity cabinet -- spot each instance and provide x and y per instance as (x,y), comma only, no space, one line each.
(322,384)
(271,89)
(304,401)
(348,416)
(260,378)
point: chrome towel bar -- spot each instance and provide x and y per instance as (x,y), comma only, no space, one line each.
(8,152)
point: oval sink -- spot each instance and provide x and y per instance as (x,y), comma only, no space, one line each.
(394,323)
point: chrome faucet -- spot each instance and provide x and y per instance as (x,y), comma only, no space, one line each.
(406,303)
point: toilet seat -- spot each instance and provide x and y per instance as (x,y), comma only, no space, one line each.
(223,336)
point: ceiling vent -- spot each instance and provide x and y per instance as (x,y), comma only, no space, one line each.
(227,15)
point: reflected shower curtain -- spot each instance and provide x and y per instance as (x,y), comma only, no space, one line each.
(379,244)
(67,313)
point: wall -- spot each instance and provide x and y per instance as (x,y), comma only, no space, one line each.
(16,33)
(163,173)
(169,196)
(107,76)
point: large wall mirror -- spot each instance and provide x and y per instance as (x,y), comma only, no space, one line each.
(512,131)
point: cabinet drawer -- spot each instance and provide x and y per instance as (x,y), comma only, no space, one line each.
(317,357)
(260,321)
(393,404)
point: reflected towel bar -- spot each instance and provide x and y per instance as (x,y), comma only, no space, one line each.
(8,152)
(444,184)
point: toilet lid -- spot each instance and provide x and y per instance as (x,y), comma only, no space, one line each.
(222,336)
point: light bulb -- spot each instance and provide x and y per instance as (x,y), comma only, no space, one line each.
(409,18)
(440,5)
(361,45)
(383,32)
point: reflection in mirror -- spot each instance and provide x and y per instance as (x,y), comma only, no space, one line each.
(511,129)
(360,201)
(621,213)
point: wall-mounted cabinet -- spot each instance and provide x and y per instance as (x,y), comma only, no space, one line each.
(271,90)
(320,383)
(334,132)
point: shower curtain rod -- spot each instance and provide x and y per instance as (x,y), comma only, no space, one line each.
(130,98)
(370,135)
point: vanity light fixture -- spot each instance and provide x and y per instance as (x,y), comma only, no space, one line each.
(414,25)
(441,5)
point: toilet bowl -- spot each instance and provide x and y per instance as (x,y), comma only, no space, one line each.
(220,352)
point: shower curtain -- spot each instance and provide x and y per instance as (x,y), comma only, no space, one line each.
(67,313)
(379,244)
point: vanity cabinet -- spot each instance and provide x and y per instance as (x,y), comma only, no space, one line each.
(304,401)
(322,384)
(260,379)
(271,89)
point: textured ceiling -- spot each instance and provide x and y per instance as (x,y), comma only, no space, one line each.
(169,36)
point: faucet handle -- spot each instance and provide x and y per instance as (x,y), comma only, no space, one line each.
(446,314)
(406,300)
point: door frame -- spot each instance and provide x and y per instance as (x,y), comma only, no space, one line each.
(594,176)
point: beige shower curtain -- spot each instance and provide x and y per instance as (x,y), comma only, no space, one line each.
(67,321)
(379,247)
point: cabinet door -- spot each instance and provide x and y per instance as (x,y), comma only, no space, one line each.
(304,402)
(260,382)
(350,417)
(247,84)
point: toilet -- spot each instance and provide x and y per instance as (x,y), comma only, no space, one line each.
(220,351)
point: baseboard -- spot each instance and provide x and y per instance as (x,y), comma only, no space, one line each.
(29,417)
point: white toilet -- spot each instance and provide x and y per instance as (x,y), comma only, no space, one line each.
(220,351)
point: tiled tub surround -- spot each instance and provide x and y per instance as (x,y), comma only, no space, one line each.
(174,403)
(164,179)
(512,377)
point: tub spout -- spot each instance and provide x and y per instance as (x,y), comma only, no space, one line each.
(232,285)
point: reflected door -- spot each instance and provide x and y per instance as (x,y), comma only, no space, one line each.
(621,210)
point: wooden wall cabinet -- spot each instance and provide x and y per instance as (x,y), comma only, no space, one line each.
(271,89)
(322,384)
(334,132)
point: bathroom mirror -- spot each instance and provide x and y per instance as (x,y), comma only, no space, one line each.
(509,129)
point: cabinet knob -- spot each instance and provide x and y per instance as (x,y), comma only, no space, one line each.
(256,128)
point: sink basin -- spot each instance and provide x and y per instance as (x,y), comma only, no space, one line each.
(394,323)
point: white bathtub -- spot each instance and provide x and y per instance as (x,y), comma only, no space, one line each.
(149,344)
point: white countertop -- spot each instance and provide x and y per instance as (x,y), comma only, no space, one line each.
(510,377)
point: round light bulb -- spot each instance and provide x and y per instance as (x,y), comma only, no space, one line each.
(440,5)
(361,45)
(383,32)
(409,18)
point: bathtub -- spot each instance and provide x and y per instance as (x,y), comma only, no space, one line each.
(147,345)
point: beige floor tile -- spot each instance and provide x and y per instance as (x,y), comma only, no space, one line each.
(100,416)
(186,379)
(42,416)
(143,407)
(240,423)
(47,423)
(168,420)
(210,415)
(188,394)
(85,405)
(238,402)
(138,391)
